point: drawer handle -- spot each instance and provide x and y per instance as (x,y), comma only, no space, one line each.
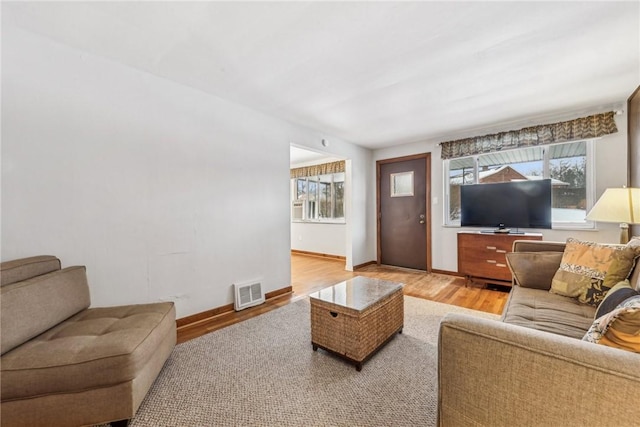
(493,248)
(333,314)
(501,251)
(501,265)
(491,261)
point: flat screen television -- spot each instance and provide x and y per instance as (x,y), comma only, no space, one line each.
(507,205)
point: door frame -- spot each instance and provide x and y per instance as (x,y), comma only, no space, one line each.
(427,178)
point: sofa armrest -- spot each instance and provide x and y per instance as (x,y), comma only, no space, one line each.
(492,373)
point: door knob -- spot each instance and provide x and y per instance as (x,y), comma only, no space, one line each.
(421,218)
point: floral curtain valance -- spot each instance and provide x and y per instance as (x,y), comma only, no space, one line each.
(315,170)
(581,128)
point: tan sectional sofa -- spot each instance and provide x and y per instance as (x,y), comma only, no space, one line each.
(65,364)
(532,368)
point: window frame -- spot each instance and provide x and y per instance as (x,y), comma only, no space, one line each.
(314,216)
(590,183)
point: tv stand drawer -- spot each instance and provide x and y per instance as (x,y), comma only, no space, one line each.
(483,255)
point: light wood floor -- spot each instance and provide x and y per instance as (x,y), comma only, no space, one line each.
(310,273)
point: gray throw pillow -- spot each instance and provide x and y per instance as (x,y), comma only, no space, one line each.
(534,269)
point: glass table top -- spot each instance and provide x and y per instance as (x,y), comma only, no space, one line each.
(357,293)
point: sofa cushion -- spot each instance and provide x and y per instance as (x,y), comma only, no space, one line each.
(26,268)
(585,272)
(96,348)
(534,269)
(619,328)
(545,311)
(30,307)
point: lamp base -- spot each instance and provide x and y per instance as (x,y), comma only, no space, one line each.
(624,233)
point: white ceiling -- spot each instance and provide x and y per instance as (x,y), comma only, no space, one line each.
(372,73)
(301,157)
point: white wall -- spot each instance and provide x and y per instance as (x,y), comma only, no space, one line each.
(163,192)
(611,158)
(322,238)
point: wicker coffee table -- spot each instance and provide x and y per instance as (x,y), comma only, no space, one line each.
(355,318)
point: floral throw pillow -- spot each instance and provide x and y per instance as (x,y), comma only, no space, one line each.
(588,270)
(619,328)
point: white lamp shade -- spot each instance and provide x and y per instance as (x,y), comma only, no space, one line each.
(617,205)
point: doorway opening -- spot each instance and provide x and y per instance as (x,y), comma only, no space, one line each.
(320,201)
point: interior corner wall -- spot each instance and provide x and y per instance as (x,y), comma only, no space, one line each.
(609,150)
(162,191)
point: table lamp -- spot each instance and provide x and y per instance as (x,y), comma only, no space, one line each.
(618,205)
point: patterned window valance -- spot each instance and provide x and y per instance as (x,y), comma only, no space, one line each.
(582,128)
(315,170)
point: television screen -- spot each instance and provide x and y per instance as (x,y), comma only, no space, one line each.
(514,204)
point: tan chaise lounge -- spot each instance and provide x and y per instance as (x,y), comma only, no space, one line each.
(64,364)
(532,368)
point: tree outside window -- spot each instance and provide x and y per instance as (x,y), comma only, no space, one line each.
(322,195)
(568,166)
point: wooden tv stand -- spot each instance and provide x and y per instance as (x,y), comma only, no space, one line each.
(481,255)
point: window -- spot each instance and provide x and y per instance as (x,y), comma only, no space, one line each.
(568,165)
(568,168)
(322,198)
(338,206)
(401,184)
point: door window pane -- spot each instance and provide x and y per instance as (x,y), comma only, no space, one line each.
(402,184)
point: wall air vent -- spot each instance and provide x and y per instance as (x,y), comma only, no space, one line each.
(247,295)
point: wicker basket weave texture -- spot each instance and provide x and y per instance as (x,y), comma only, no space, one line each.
(353,333)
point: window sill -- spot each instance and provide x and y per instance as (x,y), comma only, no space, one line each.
(318,221)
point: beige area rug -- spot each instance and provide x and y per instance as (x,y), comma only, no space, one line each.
(263,372)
